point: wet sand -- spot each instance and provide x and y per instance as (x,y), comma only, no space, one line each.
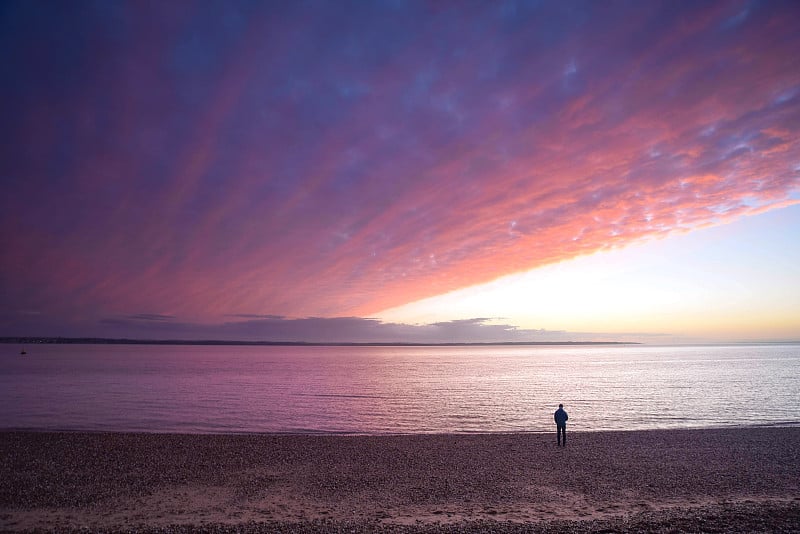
(722,480)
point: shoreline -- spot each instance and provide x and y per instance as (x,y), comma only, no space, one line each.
(301,433)
(734,479)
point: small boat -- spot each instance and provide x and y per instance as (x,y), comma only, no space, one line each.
(23,351)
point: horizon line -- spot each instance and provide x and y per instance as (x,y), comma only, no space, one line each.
(56,340)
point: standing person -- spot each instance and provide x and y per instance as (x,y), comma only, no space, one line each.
(561,424)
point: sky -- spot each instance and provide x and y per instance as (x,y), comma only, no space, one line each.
(401,171)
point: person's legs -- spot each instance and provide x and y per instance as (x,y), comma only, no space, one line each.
(564,434)
(560,432)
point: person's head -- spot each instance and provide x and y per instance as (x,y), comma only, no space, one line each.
(560,405)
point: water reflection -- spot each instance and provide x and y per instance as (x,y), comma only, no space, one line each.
(388,390)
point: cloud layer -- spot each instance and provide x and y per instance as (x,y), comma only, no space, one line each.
(206,160)
(346,330)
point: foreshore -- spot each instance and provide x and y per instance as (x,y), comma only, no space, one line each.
(715,480)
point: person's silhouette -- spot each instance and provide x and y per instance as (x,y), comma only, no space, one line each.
(561,424)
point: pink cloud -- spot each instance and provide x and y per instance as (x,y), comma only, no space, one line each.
(325,176)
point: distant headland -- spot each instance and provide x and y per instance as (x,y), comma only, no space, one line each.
(112,341)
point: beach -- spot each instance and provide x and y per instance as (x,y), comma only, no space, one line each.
(712,480)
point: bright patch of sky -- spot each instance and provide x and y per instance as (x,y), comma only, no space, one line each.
(736,282)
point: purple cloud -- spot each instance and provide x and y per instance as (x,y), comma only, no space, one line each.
(201,159)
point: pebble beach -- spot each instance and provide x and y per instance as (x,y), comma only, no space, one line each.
(713,480)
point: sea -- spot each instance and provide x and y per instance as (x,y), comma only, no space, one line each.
(395,390)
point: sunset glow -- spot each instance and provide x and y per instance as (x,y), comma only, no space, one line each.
(576,171)
(699,284)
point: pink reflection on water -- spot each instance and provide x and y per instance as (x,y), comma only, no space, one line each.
(395,390)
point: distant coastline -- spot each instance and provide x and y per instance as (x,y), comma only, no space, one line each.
(112,341)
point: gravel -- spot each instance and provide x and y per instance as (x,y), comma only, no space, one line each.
(716,480)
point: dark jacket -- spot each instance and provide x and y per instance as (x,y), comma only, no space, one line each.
(561,417)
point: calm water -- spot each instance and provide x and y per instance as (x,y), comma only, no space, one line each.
(211,389)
